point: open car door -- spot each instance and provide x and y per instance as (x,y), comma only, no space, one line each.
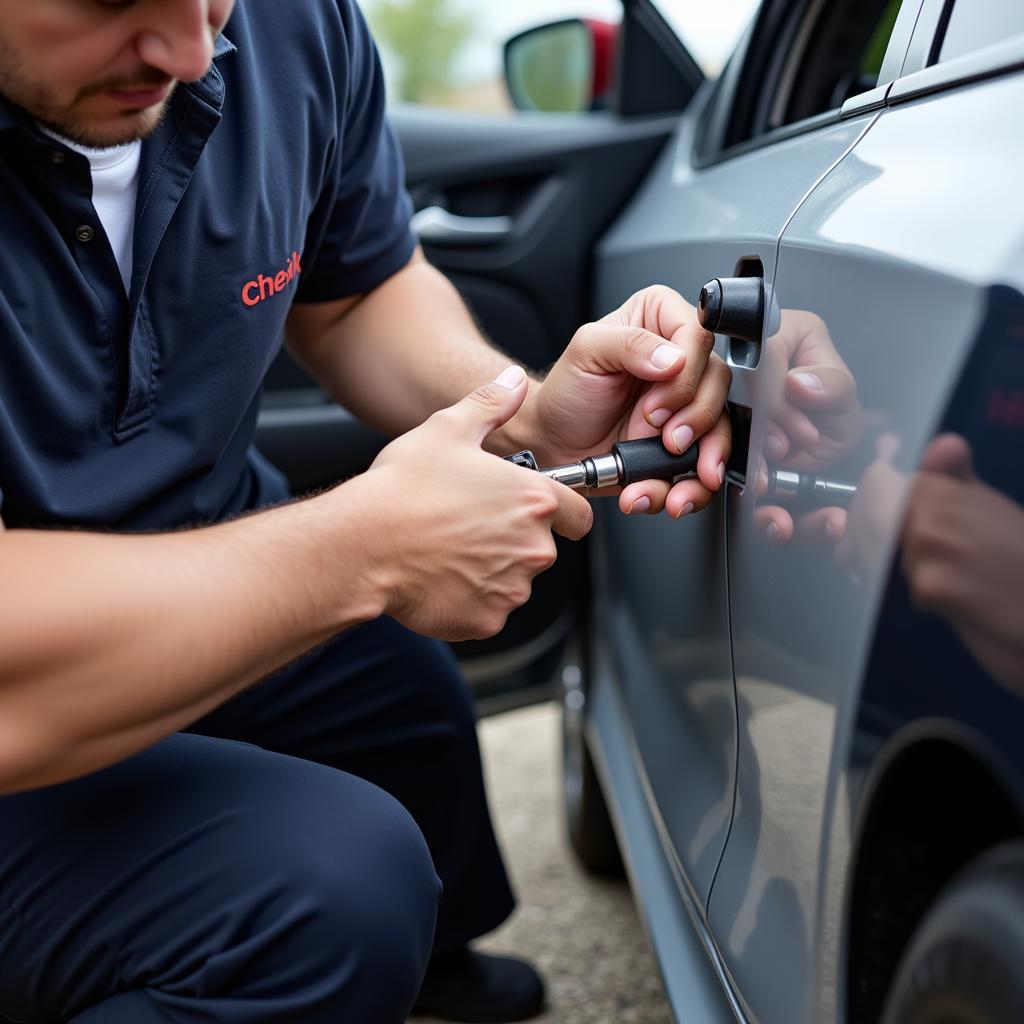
(511,207)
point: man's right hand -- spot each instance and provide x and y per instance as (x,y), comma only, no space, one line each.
(439,534)
(462,532)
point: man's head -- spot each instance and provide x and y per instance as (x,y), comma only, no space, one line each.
(100,71)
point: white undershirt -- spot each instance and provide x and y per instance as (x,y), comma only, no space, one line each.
(115,185)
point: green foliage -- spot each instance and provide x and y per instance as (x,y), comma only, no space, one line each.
(873,55)
(425,36)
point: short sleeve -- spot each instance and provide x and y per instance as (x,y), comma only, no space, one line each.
(358,234)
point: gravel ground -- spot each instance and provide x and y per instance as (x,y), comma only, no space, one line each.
(582,933)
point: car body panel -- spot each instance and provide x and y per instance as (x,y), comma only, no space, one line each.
(674,925)
(897,264)
(673,647)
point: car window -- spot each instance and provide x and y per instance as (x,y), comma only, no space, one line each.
(798,60)
(974,24)
(449,53)
(709,31)
(836,52)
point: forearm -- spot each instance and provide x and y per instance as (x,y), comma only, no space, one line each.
(110,643)
(407,349)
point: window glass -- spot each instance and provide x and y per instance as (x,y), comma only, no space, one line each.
(449,53)
(836,52)
(978,23)
(874,55)
(709,29)
(807,62)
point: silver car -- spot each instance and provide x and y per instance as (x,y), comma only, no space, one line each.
(817,778)
(796,716)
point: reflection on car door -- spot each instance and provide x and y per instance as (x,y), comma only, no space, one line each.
(892,255)
(666,610)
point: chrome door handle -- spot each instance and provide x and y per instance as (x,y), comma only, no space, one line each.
(437,226)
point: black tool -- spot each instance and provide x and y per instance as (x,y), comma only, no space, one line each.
(648,459)
(628,461)
(732,306)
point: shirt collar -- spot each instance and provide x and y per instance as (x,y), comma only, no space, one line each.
(12,116)
(222,45)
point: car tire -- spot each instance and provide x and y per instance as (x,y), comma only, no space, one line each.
(591,833)
(963,963)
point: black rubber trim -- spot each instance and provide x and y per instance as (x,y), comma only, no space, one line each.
(940,33)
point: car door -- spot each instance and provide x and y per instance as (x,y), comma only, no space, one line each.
(509,205)
(894,258)
(715,206)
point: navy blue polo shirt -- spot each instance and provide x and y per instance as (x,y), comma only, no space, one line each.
(272,180)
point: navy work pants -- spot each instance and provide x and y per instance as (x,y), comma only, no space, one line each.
(256,869)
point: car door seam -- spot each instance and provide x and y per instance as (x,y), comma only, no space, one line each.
(728,588)
(810,191)
(736,745)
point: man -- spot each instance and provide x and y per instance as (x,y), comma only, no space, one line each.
(183,183)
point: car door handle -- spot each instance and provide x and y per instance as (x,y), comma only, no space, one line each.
(437,226)
(735,307)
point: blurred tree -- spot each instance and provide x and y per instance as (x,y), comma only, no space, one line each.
(424,36)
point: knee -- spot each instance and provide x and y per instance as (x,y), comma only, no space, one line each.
(371,894)
(352,894)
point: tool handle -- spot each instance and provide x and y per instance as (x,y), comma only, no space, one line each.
(649,459)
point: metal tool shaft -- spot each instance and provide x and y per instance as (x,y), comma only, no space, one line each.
(788,487)
(594,471)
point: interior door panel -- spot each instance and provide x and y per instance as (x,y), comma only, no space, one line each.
(560,179)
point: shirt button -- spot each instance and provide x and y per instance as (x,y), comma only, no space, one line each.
(57,156)
(84,233)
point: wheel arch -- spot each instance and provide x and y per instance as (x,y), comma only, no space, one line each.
(935,797)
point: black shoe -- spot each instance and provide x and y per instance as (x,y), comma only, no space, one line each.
(480,989)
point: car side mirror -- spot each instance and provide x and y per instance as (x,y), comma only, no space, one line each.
(564,66)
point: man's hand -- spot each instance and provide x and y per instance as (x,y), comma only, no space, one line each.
(465,532)
(815,420)
(439,534)
(963,557)
(961,547)
(645,369)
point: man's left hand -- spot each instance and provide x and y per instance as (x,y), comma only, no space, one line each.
(647,368)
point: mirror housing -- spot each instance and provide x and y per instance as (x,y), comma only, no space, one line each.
(563,66)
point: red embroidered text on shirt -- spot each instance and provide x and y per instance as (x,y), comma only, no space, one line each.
(254,292)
